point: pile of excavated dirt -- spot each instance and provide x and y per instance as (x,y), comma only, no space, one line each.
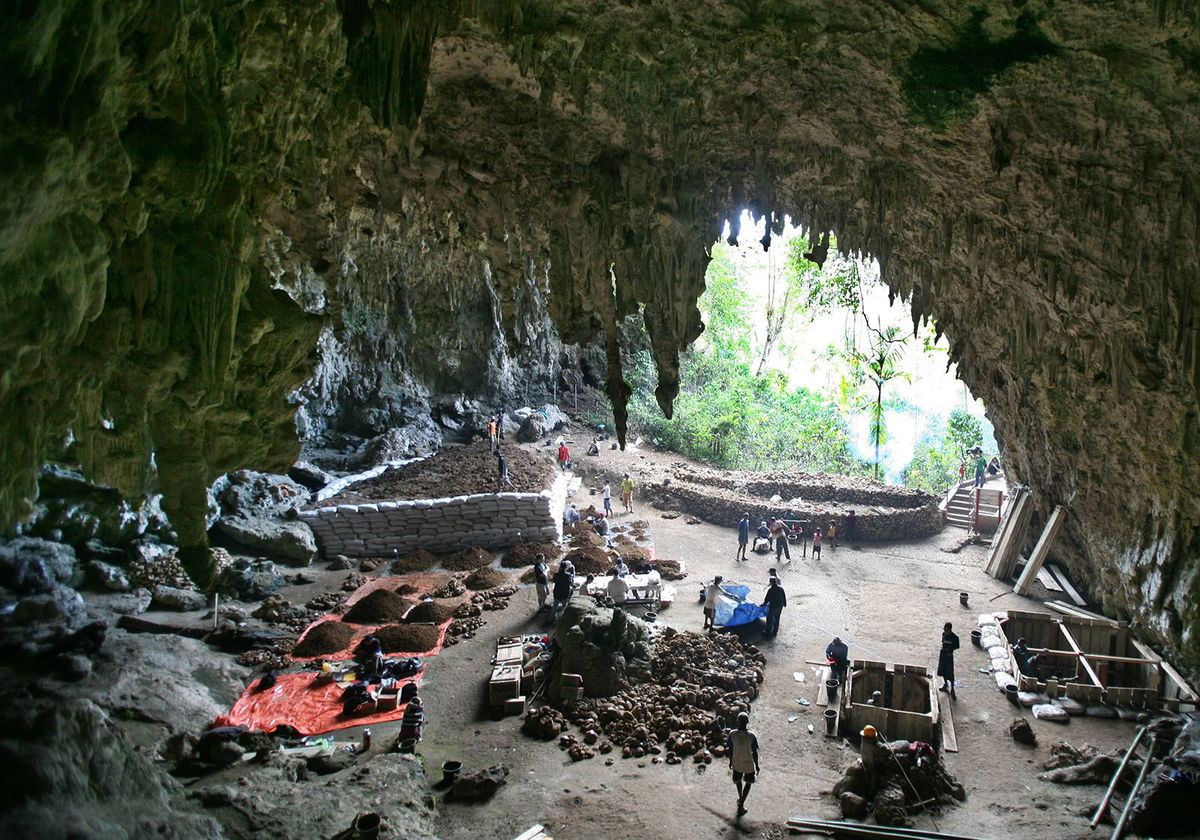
(583,535)
(377,607)
(325,638)
(526,553)
(633,554)
(589,561)
(417,561)
(407,638)
(668,569)
(432,611)
(485,578)
(468,559)
(459,471)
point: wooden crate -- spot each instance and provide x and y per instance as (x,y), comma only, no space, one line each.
(504,684)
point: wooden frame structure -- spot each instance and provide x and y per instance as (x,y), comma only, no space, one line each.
(1093,661)
(909,705)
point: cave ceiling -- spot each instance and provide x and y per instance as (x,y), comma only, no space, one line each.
(189,191)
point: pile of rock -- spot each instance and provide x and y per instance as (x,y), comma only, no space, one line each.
(906,777)
(278,612)
(610,650)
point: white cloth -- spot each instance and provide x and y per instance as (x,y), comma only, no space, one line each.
(743,744)
(711,595)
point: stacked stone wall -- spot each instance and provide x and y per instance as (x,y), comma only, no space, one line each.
(872,521)
(491,520)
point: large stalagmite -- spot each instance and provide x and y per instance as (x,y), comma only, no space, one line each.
(197,196)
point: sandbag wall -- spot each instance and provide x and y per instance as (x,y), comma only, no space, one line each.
(722,506)
(490,520)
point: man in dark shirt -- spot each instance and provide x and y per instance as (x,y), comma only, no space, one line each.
(564,587)
(502,478)
(838,657)
(775,601)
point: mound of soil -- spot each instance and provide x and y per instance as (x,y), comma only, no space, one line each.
(418,561)
(458,471)
(668,569)
(327,637)
(407,589)
(524,554)
(485,578)
(589,561)
(432,611)
(407,638)
(639,524)
(633,554)
(377,607)
(468,559)
(585,539)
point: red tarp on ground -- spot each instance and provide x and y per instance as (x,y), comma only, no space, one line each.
(298,700)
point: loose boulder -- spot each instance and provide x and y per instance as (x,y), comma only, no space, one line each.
(292,541)
(479,785)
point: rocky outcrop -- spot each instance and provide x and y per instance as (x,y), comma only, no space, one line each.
(609,649)
(445,192)
(291,542)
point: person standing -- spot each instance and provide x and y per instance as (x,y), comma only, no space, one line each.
(945,667)
(541,579)
(711,595)
(775,601)
(564,456)
(499,425)
(743,759)
(779,530)
(831,534)
(502,478)
(851,522)
(493,437)
(817,543)
(743,536)
(607,498)
(627,493)
(980,468)
(564,587)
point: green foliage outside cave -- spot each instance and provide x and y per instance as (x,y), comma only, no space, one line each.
(736,407)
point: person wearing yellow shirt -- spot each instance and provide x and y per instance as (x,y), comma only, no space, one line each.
(627,493)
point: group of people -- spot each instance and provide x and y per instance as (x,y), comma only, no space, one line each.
(779,533)
(626,495)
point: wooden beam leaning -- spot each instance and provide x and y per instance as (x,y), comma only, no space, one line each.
(1012,529)
(1038,556)
(1087,666)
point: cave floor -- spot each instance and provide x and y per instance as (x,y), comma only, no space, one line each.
(888,601)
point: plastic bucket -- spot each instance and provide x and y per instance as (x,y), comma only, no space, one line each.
(831,717)
(831,689)
(408,745)
(1010,691)
(450,771)
(977,638)
(366,826)
(962,598)
(650,617)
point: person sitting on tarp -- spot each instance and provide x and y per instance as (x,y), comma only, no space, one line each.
(762,540)
(401,668)
(838,657)
(1027,660)
(369,654)
(357,698)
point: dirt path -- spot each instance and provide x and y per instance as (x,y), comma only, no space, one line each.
(887,601)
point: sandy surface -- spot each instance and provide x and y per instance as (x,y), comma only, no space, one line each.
(888,601)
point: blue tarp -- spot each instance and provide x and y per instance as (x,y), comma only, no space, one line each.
(730,612)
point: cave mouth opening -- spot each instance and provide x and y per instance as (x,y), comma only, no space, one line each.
(807,361)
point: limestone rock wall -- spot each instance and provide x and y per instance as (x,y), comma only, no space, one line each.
(194,191)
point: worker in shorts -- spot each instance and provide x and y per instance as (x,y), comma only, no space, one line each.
(627,493)
(607,493)
(743,759)
(711,595)
(817,537)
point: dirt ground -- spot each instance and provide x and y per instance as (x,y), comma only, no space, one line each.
(887,601)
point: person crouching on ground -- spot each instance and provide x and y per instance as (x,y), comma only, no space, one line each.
(743,759)
(837,654)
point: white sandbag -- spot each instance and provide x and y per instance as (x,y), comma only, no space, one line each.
(1000,664)
(1003,680)
(1099,710)
(1048,711)
(987,618)
(1068,705)
(1029,698)
(997,651)
(989,640)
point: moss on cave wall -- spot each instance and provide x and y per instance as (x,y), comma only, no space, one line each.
(580,156)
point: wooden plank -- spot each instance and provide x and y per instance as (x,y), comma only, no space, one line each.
(1010,532)
(1038,556)
(532,833)
(822,694)
(1087,666)
(1017,538)
(1185,691)
(1061,576)
(1047,580)
(949,739)
(1078,612)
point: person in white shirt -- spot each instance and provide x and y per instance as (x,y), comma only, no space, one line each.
(743,759)
(607,498)
(619,566)
(711,595)
(617,588)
